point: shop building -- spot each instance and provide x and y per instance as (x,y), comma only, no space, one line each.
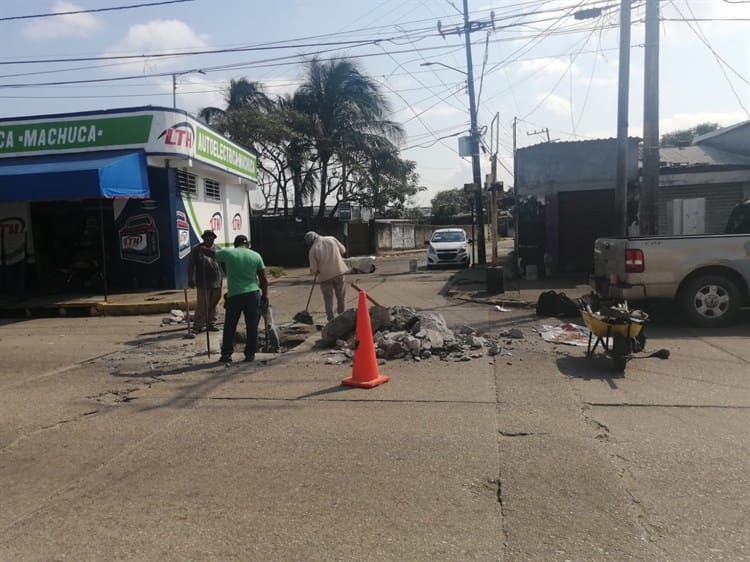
(115,198)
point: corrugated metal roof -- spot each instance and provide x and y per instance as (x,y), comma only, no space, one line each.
(699,155)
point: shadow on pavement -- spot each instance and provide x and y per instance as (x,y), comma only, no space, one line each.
(598,368)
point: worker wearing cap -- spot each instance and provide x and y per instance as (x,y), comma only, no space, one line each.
(327,264)
(204,274)
(247,287)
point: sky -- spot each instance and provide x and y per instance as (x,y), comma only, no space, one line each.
(556,75)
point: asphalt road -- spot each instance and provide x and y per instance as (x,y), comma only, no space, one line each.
(121,440)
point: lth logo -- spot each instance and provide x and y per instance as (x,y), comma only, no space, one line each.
(216,222)
(180,134)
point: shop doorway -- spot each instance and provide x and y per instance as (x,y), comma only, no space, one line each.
(68,239)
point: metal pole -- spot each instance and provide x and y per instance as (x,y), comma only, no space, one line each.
(174,91)
(495,141)
(187,310)
(104,252)
(621,173)
(515,197)
(648,201)
(474,135)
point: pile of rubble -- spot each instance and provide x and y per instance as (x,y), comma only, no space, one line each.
(403,333)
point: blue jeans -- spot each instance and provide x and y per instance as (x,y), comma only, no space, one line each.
(237,305)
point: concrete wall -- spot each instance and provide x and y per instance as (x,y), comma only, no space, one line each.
(548,168)
(391,236)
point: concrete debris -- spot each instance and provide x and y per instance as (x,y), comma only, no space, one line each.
(401,332)
(513,333)
(175,317)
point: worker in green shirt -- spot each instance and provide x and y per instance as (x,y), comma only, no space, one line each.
(247,288)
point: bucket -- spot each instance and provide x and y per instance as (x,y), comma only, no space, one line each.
(413,266)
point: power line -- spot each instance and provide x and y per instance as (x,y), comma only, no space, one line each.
(93,10)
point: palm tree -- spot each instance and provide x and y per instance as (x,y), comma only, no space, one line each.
(345,108)
(241,94)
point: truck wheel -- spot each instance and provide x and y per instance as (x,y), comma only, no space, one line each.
(710,301)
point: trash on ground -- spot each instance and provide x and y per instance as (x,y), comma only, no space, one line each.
(503,308)
(567,334)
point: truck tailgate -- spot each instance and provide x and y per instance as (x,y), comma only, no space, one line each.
(609,257)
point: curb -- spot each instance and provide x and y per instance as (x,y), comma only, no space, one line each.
(133,309)
(497,301)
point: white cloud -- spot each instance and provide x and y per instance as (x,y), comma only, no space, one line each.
(554,104)
(686,120)
(157,36)
(71,25)
(548,66)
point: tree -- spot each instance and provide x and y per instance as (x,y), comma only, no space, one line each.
(684,137)
(384,181)
(241,94)
(449,203)
(347,110)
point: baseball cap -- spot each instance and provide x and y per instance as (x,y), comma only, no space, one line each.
(208,234)
(241,240)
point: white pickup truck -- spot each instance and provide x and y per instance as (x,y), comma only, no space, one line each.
(707,275)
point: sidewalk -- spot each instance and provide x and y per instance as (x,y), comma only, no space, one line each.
(470,285)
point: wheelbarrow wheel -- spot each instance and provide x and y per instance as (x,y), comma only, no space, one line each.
(620,351)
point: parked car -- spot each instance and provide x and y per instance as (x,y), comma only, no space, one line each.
(448,246)
(707,275)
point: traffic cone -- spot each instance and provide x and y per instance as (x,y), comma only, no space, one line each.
(365,369)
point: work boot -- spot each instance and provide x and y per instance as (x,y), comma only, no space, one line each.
(250,358)
(225,359)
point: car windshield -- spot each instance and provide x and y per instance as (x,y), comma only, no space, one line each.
(448,237)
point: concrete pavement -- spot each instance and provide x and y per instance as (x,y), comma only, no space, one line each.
(122,440)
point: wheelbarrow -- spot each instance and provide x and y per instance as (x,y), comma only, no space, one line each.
(618,330)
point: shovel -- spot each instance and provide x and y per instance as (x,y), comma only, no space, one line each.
(303,317)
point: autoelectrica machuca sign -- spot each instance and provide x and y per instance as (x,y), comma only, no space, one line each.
(155,131)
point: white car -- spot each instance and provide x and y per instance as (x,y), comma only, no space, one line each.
(448,246)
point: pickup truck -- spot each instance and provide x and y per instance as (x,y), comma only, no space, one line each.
(707,275)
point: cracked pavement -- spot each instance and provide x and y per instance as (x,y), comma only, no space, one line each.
(119,440)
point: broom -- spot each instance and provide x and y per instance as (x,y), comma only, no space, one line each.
(304,317)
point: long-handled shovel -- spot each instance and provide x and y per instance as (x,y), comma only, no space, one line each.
(304,317)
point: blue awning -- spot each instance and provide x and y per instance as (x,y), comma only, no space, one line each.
(74,176)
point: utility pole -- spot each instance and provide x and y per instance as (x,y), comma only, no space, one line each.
(466,30)
(623,84)
(474,135)
(515,193)
(648,207)
(493,185)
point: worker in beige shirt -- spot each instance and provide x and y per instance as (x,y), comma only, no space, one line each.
(327,264)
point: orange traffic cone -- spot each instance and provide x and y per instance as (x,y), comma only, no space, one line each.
(365,369)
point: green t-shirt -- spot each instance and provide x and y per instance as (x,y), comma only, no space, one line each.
(242,267)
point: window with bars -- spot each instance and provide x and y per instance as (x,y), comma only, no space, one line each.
(187,183)
(213,190)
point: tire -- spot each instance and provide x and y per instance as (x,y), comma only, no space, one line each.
(710,301)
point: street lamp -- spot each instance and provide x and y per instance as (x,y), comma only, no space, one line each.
(444,65)
(174,82)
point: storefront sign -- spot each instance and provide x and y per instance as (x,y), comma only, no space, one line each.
(183,235)
(139,239)
(74,134)
(158,132)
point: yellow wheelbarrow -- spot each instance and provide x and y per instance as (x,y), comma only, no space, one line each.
(619,331)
